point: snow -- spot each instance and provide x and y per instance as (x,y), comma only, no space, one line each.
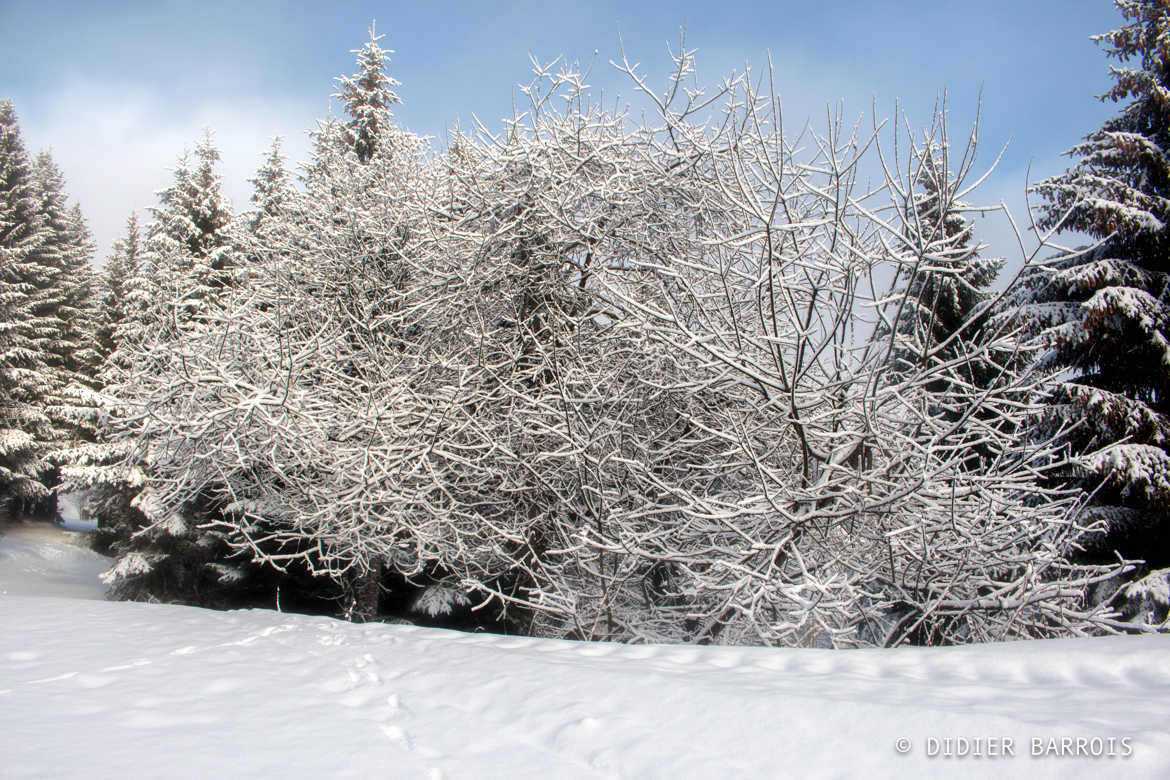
(71,511)
(102,689)
(41,559)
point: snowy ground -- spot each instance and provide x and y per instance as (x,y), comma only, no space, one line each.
(97,689)
(71,512)
(41,559)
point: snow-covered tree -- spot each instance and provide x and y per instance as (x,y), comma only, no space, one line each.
(191,237)
(49,322)
(943,313)
(84,297)
(609,381)
(24,381)
(271,193)
(176,544)
(946,295)
(92,466)
(1104,311)
(367,96)
(178,277)
(121,267)
(863,522)
(68,303)
(266,226)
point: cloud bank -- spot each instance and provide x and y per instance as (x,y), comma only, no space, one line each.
(117,144)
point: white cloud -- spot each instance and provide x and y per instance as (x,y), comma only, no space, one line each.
(117,145)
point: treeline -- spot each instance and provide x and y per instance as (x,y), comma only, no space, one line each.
(687,380)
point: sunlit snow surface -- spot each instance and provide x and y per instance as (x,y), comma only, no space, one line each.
(118,690)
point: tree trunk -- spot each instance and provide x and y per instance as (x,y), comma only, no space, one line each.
(366,592)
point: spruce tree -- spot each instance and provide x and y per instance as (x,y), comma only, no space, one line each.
(191,236)
(271,191)
(346,181)
(97,467)
(23,376)
(266,227)
(84,300)
(1104,312)
(367,96)
(67,302)
(212,218)
(121,268)
(945,309)
(173,294)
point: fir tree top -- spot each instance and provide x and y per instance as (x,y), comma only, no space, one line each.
(270,186)
(367,96)
(17,191)
(1120,186)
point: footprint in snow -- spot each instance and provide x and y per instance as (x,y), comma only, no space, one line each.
(331,639)
(640,652)
(400,736)
(598,649)
(725,660)
(577,732)
(363,672)
(397,734)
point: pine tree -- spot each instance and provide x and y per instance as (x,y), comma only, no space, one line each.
(84,299)
(191,236)
(23,376)
(147,278)
(942,326)
(267,226)
(945,309)
(96,467)
(367,97)
(172,292)
(271,191)
(1105,311)
(212,217)
(68,301)
(346,181)
(121,268)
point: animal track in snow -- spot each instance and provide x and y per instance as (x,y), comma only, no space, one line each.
(398,735)
(267,632)
(363,671)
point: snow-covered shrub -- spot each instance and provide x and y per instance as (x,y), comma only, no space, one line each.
(865,521)
(609,381)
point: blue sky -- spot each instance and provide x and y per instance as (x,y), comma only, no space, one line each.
(117,90)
